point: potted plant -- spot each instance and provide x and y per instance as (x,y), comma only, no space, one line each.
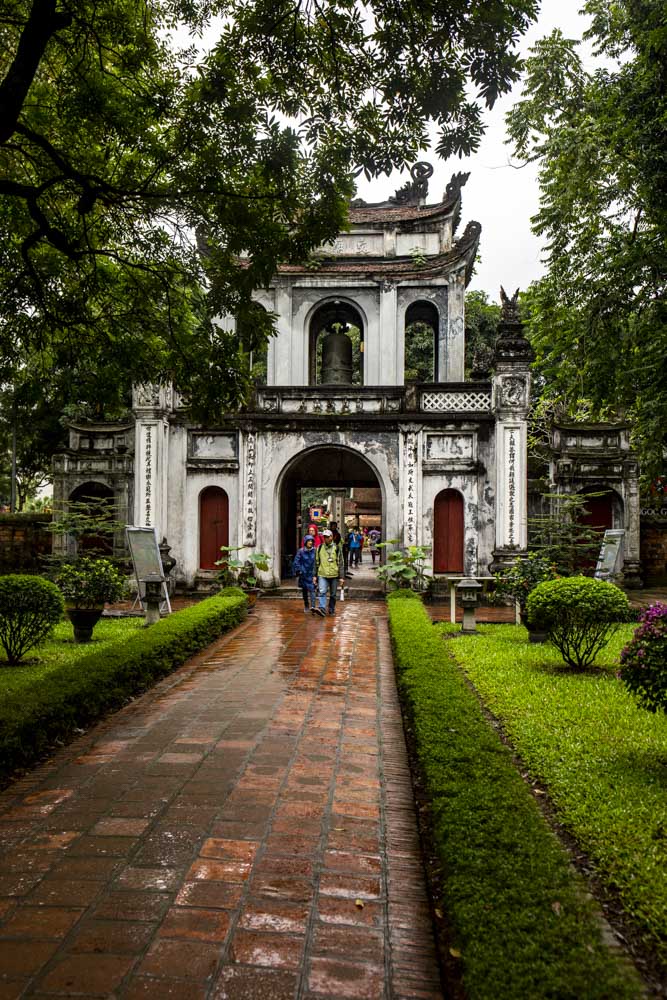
(87,585)
(236,572)
(406,569)
(520,579)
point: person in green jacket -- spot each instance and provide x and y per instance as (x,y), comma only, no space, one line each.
(329,569)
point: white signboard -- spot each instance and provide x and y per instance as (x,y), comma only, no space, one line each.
(609,560)
(146,558)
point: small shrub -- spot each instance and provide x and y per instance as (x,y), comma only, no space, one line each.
(90,583)
(231,592)
(29,608)
(578,614)
(644,660)
(519,579)
(402,595)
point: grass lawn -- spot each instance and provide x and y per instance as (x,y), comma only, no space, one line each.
(517,921)
(602,759)
(61,650)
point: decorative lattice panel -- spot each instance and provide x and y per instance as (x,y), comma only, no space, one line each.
(467,401)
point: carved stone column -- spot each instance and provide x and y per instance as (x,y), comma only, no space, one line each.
(632,578)
(410,479)
(510,402)
(152,405)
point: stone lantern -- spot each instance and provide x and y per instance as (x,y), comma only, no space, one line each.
(153,598)
(468,589)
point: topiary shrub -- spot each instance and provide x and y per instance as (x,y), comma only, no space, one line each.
(29,608)
(403,595)
(644,660)
(578,614)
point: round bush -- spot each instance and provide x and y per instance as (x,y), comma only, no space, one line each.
(90,583)
(29,608)
(578,614)
(644,660)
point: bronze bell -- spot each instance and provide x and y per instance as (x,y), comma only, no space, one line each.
(336,359)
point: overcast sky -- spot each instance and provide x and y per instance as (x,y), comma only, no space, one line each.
(499,196)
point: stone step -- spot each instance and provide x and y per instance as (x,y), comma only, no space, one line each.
(351,594)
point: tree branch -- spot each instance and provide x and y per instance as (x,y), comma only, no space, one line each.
(43,22)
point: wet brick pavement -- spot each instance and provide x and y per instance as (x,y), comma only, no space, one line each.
(244,831)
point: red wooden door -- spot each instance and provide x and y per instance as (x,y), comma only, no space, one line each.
(448,532)
(213,525)
(599,513)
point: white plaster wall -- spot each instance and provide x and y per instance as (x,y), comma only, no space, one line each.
(196,482)
(277,451)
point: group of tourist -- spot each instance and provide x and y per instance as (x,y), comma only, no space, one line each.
(324,560)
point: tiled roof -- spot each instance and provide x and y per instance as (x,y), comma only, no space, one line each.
(396,267)
(383,213)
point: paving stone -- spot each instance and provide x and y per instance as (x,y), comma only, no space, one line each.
(244,831)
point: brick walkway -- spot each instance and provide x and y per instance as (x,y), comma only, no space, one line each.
(245,830)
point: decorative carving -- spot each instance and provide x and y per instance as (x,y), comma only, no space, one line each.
(148,474)
(250,494)
(510,307)
(511,488)
(513,391)
(441,402)
(147,395)
(471,233)
(410,457)
(458,180)
(415,190)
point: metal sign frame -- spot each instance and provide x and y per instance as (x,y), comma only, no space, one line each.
(612,546)
(142,553)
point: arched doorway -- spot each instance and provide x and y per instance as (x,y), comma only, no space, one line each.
(91,512)
(448,532)
(421,338)
(341,321)
(213,525)
(336,470)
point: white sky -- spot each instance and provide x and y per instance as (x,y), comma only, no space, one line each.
(499,196)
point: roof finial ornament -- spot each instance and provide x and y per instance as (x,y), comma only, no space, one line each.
(510,313)
(415,190)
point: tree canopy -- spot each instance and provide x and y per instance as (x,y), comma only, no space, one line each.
(145,189)
(598,317)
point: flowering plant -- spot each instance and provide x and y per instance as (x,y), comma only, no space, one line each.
(522,577)
(644,660)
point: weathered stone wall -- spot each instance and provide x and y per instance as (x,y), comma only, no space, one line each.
(653,549)
(24,542)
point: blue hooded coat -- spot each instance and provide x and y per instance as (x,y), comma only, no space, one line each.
(304,565)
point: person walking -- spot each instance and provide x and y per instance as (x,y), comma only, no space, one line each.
(329,570)
(304,569)
(354,541)
(373,539)
(317,538)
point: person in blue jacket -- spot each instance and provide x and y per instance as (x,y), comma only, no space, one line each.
(304,568)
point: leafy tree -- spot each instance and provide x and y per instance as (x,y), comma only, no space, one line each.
(482,319)
(144,190)
(419,352)
(598,317)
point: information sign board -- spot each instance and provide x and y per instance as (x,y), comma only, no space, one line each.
(609,560)
(146,559)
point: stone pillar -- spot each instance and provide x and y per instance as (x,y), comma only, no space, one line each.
(410,479)
(451,336)
(632,578)
(386,369)
(151,405)
(510,401)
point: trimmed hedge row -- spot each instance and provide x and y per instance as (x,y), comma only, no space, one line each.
(78,694)
(517,913)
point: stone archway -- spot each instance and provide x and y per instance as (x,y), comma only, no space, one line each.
(337,318)
(327,465)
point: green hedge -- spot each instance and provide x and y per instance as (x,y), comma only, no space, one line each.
(76,695)
(516,912)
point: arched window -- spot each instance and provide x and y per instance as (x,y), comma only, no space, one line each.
(213,525)
(448,532)
(421,338)
(336,345)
